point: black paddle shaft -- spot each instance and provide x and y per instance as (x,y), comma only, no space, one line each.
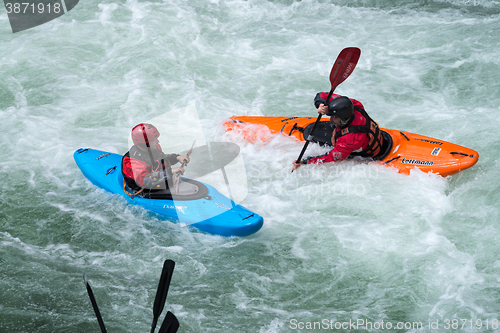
(161,294)
(310,137)
(342,68)
(94,304)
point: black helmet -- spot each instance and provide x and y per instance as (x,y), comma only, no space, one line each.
(342,108)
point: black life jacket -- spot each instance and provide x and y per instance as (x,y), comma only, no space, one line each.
(144,156)
(376,139)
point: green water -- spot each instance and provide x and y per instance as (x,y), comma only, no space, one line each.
(364,244)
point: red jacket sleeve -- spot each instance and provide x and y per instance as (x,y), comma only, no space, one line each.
(344,146)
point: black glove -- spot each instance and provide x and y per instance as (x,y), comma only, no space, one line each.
(156,180)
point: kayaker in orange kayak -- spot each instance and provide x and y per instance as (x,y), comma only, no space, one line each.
(356,134)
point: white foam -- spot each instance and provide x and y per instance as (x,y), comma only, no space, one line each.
(338,241)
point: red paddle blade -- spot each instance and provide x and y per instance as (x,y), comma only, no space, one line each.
(344,65)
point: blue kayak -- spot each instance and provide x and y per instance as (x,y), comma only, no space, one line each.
(197,204)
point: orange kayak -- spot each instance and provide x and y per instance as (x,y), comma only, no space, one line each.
(403,150)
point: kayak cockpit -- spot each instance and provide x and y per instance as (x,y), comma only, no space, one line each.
(323,136)
(189,189)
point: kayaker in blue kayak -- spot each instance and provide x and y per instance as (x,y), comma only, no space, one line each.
(145,166)
(355,134)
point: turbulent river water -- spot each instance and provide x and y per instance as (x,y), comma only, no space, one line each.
(351,247)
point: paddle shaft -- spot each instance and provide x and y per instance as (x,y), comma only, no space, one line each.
(170,323)
(161,293)
(342,68)
(175,178)
(94,304)
(188,154)
(310,137)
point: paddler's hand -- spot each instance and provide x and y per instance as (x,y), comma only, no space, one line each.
(178,170)
(183,158)
(322,109)
(296,165)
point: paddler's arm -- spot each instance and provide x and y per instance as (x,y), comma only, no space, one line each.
(320,98)
(343,148)
(171,159)
(337,154)
(176,158)
(183,159)
(296,165)
(332,156)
